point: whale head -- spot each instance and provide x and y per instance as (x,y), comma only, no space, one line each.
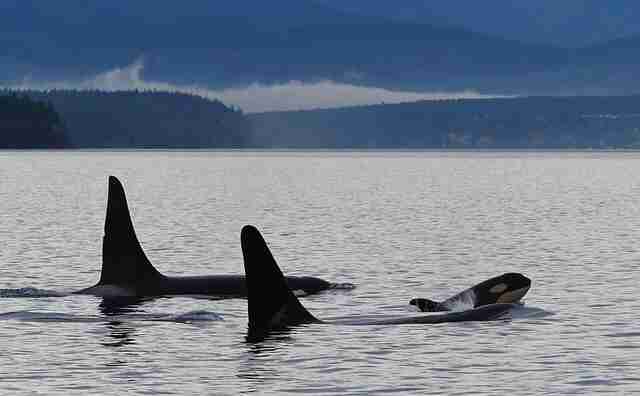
(506,288)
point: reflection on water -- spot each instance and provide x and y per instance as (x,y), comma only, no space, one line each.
(121,305)
(257,369)
(119,334)
(262,340)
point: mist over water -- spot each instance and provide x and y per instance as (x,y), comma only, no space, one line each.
(399,225)
(252,98)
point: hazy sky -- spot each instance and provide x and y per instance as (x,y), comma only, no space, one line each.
(293,95)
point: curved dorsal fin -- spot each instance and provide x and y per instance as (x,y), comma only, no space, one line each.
(271,302)
(123,260)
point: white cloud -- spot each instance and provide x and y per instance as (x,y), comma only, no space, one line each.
(293,95)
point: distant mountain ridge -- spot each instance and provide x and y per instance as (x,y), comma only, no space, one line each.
(568,23)
(511,123)
(224,44)
(247,41)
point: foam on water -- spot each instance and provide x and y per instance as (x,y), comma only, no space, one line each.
(527,312)
(197,316)
(30,292)
(29,316)
(342,286)
(334,286)
(34,316)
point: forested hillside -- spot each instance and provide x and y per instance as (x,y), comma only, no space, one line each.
(135,119)
(528,123)
(25,123)
(95,119)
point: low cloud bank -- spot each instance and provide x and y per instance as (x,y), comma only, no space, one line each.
(293,95)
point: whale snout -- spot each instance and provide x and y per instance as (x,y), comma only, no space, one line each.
(516,280)
(518,286)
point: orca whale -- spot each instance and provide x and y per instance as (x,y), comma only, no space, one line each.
(127,272)
(506,288)
(273,306)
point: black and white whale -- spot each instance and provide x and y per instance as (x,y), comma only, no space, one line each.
(272,305)
(127,272)
(506,288)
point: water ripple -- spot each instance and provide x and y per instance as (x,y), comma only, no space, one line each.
(396,224)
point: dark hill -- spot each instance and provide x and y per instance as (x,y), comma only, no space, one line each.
(133,119)
(29,124)
(527,123)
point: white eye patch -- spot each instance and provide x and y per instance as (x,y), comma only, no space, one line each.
(499,288)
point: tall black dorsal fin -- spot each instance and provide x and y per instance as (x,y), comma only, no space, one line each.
(123,260)
(271,302)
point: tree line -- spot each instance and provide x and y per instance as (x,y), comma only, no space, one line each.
(27,123)
(146,119)
(507,123)
(149,119)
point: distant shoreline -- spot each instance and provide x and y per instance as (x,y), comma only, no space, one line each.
(320,150)
(150,120)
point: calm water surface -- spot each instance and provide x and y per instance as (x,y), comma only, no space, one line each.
(397,224)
